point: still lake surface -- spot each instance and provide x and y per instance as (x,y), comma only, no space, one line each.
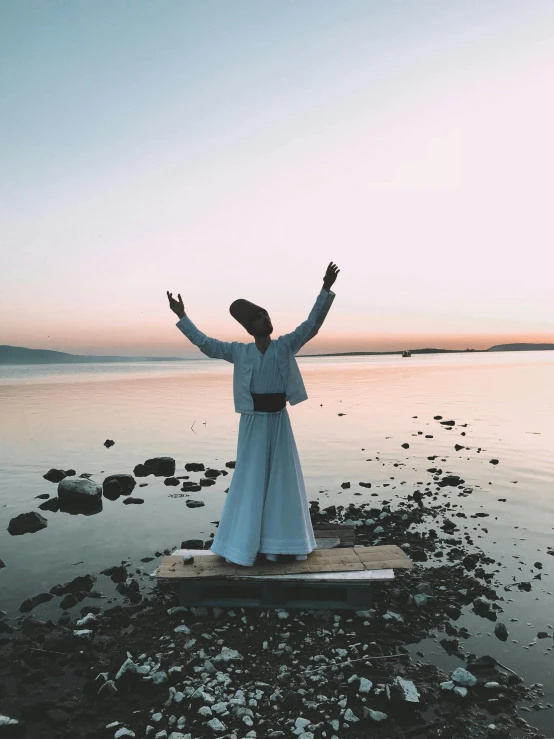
(60,416)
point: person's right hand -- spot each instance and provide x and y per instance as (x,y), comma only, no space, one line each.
(176,305)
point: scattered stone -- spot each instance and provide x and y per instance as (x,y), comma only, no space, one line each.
(194,503)
(463,677)
(54,475)
(27,523)
(407,689)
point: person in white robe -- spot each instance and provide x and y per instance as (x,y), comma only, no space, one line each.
(266,510)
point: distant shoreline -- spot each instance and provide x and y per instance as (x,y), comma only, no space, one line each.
(20,356)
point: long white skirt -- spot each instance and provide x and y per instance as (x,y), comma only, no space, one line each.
(266,509)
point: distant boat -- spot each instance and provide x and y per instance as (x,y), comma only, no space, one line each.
(407,354)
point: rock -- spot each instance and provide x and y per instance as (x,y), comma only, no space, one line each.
(493,461)
(350,717)
(79,491)
(50,505)
(54,475)
(135,501)
(125,485)
(83,583)
(171,481)
(57,717)
(405,446)
(365,685)
(216,725)
(161,466)
(231,465)
(188,559)
(452,480)
(377,716)
(407,690)
(425,588)
(108,443)
(194,503)
(212,473)
(501,632)
(462,692)
(364,485)
(457,447)
(227,655)
(27,523)
(11,728)
(463,677)
(345,485)
(31,603)
(194,467)
(206,482)
(2,564)
(420,599)
(118,573)
(450,645)
(448,423)
(192,544)
(112,489)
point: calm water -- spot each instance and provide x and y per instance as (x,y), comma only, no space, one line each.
(60,417)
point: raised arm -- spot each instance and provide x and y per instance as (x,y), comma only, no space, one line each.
(212,348)
(309,328)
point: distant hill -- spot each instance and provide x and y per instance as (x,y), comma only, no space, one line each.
(520,347)
(497,348)
(21,355)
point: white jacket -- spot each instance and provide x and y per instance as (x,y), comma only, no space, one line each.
(242,355)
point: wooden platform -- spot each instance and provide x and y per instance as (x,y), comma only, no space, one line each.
(333,578)
(341,560)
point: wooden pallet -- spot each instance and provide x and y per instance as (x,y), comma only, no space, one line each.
(348,595)
(335,579)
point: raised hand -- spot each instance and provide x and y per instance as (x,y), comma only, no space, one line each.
(330,276)
(176,305)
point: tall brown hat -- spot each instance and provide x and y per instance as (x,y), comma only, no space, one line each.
(244,311)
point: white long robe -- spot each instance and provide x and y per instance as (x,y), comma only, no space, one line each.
(266,509)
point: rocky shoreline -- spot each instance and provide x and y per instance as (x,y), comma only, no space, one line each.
(147,667)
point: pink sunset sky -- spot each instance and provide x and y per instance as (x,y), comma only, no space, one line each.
(232,150)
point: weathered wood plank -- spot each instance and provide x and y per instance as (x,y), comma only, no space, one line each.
(319,561)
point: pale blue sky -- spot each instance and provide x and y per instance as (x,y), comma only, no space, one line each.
(232,149)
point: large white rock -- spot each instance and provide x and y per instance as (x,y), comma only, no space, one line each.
(79,490)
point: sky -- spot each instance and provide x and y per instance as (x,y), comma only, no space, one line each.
(226,149)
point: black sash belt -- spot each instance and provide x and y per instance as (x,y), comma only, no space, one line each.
(269,402)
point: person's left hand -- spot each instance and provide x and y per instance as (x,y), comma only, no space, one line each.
(330,275)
